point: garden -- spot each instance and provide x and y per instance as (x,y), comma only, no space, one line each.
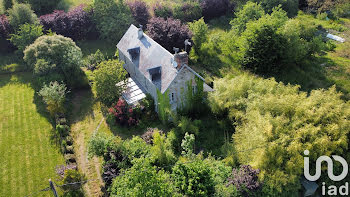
(280,87)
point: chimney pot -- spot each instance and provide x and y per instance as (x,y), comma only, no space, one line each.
(140,32)
(181,59)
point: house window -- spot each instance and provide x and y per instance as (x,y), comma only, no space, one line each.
(194,89)
(172,97)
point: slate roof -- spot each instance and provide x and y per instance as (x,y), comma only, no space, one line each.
(151,55)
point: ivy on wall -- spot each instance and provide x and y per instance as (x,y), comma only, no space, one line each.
(163,106)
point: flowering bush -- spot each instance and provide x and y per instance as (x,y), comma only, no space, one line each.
(139,11)
(245,180)
(76,24)
(168,32)
(124,114)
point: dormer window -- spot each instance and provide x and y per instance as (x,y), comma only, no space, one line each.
(134,53)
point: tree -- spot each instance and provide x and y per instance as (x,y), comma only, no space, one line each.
(188,11)
(20,14)
(277,123)
(43,6)
(26,35)
(250,12)
(143,179)
(108,74)
(200,34)
(290,6)
(193,178)
(5,30)
(76,24)
(160,9)
(187,145)
(215,8)
(140,12)
(263,47)
(54,95)
(64,58)
(112,19)
(6,4)
(168,32)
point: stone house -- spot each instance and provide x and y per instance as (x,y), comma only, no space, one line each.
(155,70)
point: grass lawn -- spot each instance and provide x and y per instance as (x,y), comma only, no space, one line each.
(27,155)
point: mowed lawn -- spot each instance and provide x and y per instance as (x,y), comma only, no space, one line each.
(27,155)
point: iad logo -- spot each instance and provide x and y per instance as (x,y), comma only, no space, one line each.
(332,190)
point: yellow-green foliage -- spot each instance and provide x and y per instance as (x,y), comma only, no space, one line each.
(278,122)
(163,106)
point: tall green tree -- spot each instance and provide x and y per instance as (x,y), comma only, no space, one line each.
(112,18)
(250,12)
(26,35)
(20,14)
(199,34)
(108,74)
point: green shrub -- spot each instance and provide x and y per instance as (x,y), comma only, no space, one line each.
(54,95)
(199,34)
(112,19)
(6,4)
(342,10)
(42,7)
(63,58)
(188,11)
(108,74)
(143,179)
(26,35)
(72,176)
(250,12)
(93,60)
(101,143)
(20,14)
(161,150)
(62,130)
(194,178)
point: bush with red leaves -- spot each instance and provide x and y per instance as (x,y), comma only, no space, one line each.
(215,8)
(5,30)
(245,180)
(124,114)
(76,24)
(140,12)
(168,32)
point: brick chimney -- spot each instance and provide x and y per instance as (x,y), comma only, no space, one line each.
(181,59)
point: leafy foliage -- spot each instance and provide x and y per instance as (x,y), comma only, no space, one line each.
(64,58)
(250,12)
(26,35)
(73,176)
(140,12)
(284,122)
(142,179)
(108,74)
(43,6)
(20,14)
(112,19)
(93,60)
(187,145)
(162,10)
(54,95)
(123,114)
(188,11)
(245,180)
(6,4)
(76,24)
(290,6)
(161,150)
(215,8)
(168,32)
(200,34)
(100,144)
(193,178)
(5,30)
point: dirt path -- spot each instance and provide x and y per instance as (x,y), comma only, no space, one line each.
(85,121)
